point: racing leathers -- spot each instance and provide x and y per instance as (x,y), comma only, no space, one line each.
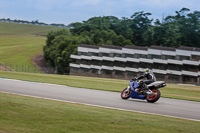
(150,78)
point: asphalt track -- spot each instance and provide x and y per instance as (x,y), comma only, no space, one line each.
(165,106)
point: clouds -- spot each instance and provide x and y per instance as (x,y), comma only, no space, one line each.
(67,11)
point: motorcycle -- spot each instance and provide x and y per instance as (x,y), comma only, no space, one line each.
(135,91)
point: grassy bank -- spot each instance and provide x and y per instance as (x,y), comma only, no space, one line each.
(7,28)
(19,43)
(19,50)
(23,114)
(185,92)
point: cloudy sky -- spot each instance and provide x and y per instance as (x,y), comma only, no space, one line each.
(68,11)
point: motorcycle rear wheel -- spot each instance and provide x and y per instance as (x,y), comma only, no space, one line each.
(125,95)
(155,97)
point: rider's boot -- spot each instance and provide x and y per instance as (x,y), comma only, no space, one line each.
(146,89)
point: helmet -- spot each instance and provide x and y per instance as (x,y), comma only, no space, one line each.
(146,70)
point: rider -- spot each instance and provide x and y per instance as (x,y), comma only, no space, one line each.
(148,74)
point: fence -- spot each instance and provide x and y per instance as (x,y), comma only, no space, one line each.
(28,69)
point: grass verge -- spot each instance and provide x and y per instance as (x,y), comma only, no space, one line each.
(19,43)
(19,50)
(184,92)
(21,114)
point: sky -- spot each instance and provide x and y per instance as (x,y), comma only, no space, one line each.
(69,11)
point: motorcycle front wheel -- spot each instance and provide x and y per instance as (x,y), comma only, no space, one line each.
(125,94)
(155,97)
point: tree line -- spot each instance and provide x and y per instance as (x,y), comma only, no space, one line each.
(36,22)
(181,29)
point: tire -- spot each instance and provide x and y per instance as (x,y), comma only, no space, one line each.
(125,95)
(155,97)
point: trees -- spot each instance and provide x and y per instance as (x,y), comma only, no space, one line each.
(190,29)
(100,31)
(59,46)
(179,30)
(114,31)
(140,26)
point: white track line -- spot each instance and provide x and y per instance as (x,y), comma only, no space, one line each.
(100,106)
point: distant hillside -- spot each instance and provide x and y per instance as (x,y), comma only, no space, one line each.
(20,43)
(7,28)
(35,22)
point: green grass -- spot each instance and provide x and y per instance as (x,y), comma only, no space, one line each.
(19,43)
(184,92)
(25,29)
(21,114)
(19,50)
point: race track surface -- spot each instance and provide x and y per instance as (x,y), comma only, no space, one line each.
(164,106)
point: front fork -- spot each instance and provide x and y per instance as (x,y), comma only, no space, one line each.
(129,88)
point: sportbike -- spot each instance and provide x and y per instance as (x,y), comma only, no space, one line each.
(135,91)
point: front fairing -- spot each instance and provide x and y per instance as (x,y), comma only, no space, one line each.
(134,94)
(133,84)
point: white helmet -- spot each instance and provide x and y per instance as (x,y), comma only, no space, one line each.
(147,70)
